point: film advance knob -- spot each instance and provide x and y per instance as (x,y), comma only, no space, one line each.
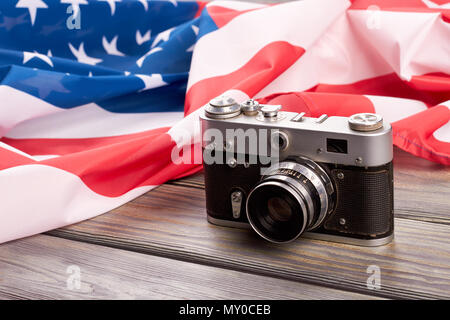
(222,107)
(365,122)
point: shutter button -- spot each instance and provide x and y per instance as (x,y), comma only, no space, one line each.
(250,107)
(269,112)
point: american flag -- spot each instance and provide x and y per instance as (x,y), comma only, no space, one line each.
(96,95)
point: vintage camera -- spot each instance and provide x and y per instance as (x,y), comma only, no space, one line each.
(286,175)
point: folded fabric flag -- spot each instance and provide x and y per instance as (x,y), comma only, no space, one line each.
(99,100)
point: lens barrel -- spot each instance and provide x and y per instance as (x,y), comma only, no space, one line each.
(292,197)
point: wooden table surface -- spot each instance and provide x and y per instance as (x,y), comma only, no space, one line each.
(160,246)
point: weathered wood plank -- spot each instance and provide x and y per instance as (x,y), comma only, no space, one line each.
(36,268)
(170,221)
(421,188)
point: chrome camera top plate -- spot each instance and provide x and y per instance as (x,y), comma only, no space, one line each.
(369,140)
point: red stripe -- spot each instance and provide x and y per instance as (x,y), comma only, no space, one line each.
(316,104)
(415,134)
(433,82)
(68,146)
(201,6)
(402,6)
(387,4)
(222,15)
(266,65)
(110,169)
(434,87)
(11,159)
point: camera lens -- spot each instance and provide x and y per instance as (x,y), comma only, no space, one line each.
(277,212)
(279,209)
(290,199)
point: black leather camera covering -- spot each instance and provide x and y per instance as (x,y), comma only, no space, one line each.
(364,197)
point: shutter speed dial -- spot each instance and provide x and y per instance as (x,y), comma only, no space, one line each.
(365,122)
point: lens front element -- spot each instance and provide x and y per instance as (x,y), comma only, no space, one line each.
(292,198)
(279,209)
(278,214)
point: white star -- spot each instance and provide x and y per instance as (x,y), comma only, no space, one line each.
(195,29)
(27,56)
(112,4)
(49,53)
(90,74)
(81,55)
(152,81)
(140,39)
(32,6)
(75,4)
(111,47)
(144,3)
(127,73)
(163,36)
(191,48)
(140,61)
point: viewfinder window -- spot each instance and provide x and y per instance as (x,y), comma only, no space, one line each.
(337,145)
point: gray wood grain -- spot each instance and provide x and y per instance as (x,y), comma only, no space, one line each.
(171,221)
(35,268)
(421,188)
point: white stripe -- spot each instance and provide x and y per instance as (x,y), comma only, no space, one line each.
(17,106)
(188,131)
(350,51)
(443,133)
(237,95)
(25,116)
(236,5)
(91,121)
(412,43)
(37,198)
(339,57)
(45,157)
(300,23)
(394,109)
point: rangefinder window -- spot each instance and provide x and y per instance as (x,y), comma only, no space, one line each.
(337,145)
